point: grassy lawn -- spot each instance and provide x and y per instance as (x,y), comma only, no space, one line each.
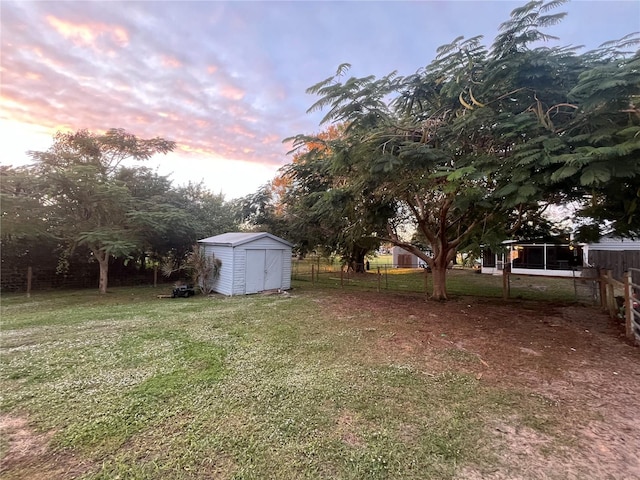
(130,386)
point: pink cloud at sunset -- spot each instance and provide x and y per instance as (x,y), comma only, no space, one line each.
(171,62)
(231,92)
(226,80)
(87,35)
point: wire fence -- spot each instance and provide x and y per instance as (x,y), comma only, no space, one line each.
(582,286)
(460,281)
(31,279)
(373,276)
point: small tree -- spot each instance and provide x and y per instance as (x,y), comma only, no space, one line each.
(201,268)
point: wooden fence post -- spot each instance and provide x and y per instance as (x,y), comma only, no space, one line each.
(611,296)
(602,279)
(155,276)
(313,276)
(341,277)
(29,277)
(378,279)
(386,278)
(505,283)
(628,305)
(605,291)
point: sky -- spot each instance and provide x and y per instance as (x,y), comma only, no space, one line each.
(227,80)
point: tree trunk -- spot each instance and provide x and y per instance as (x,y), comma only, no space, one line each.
(439,271)
(103,261)
(358,258)
(444,253)
(439,266)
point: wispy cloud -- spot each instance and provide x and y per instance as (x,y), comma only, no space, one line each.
(75,72)
(170,62)
(226,80)
(90,34)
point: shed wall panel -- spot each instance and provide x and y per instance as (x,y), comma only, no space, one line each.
(273,269)
(223,284)
(403,259)
(617,244)
(255,270)
(239,265)
(286,269)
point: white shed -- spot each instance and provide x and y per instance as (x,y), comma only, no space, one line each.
(251,262)
(401,258)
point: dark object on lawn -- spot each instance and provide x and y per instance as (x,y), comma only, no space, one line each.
(183,291)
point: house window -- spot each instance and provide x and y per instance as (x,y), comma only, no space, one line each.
(529,256)
(488,259)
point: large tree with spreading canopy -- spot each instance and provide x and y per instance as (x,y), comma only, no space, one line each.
(481,139)
(79,201)
(84,187)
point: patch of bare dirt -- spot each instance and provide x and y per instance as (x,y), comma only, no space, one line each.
(27,456)
(573,356)
(347,430)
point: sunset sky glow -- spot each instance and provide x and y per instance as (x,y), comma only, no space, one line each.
(226,80)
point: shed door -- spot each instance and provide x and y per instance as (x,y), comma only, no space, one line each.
(254,271)
(263,270)
(273,270)
(404,261)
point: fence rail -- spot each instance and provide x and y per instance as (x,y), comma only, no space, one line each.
(611,293)
(582,286)
(620,299)
(380,278)
(632,303)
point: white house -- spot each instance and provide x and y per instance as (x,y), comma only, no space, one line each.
(251,262)
(542,257)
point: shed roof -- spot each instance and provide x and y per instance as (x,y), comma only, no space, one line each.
(611,242)
(233,239)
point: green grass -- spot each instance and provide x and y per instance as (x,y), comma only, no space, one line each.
(245,388)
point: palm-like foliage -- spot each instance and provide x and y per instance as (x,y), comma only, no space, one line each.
(202,269)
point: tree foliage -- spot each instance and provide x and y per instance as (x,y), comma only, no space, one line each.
(88,202)
(478,141)
(601,143)
(322,213)
(26,236)
(80,198)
